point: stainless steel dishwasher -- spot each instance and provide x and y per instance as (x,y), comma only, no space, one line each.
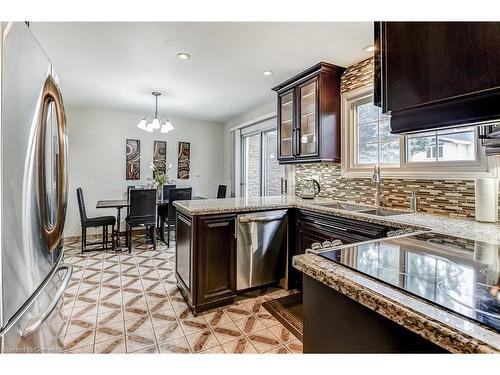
(261,249)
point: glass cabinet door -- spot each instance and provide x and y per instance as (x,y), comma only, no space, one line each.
(308,137)
(286,125)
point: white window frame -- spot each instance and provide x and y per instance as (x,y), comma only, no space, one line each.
(481,167)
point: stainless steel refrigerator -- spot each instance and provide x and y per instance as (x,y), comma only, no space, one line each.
(33,191)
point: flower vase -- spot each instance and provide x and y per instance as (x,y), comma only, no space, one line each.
(160,193)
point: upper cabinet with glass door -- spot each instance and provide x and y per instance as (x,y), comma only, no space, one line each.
(309,116)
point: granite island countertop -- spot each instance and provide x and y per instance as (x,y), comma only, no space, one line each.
(470,229)
(448,330)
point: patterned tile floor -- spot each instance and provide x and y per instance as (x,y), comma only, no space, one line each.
(129,303)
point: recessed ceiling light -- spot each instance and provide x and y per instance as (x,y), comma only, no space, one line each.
(183,55)
(268,72)
(369,48)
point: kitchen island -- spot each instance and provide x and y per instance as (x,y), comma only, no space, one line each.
(206,255)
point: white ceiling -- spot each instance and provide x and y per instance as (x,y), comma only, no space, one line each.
(117,65)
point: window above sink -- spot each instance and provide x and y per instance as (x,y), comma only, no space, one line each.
(367,141)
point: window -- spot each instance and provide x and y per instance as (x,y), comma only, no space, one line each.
(374,142)
(452,145)
(261,172)
(367,141)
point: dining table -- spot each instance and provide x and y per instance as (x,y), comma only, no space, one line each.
(119,204)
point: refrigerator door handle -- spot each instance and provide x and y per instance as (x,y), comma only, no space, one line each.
(52,233)
(45,314)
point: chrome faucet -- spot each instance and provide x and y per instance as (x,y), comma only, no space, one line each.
(377,180)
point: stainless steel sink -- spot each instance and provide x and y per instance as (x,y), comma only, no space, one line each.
(381,212)
(343,206)
(361,209)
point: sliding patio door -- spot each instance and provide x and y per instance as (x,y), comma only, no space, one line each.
(261,173)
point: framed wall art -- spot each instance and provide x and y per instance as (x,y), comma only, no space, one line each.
(160,157)
(183,164)
(133,159)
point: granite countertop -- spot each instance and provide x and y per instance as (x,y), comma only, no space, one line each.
(470,229)
(448,330)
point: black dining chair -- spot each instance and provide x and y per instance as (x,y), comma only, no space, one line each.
(175,194)
(162,208)
(221,191)
(142,213)
(94,222)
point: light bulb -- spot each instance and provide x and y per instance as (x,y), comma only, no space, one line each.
(142,124)
(168,126)
(149,127)
(156,123)
(164,128)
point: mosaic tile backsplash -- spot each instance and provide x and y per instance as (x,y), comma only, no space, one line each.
(453,198)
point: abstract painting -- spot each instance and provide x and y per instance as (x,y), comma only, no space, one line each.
(183,160)
(133,159)
(160,157)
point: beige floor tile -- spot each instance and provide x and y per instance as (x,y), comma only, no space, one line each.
(239,346)
(249,325)
(114,346)
(217,318)
(278,350)
(263,340)
(138,323)
(162,317)
(202,341)
(148,350)
(109,317)
(193,325)
(81,324)
(89,349)
(228,332)
(74,340)
(237,312)
(140,340)
(267,319)
(283,334)
(178,345)
(295,347)
(169,331)
(109,331)
(214,350)
(130,303)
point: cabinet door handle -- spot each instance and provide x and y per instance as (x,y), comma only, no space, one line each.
(330,226)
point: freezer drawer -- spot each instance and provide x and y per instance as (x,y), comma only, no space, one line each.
(261,248)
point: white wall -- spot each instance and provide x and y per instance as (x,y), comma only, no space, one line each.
(97,157)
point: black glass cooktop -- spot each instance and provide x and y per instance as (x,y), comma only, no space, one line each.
(460,275)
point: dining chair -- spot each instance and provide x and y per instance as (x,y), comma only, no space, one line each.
(221,191)
(175,194)
(94,222)
(142,213)
(162,209)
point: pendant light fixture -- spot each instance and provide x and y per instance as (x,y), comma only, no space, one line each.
(155,122)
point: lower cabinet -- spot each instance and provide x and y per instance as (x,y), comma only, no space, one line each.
(206,260)
(216,258)
(314,227)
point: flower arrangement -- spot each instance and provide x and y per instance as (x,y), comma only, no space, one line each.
(160,178)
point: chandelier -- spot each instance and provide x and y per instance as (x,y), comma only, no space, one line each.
(152,123)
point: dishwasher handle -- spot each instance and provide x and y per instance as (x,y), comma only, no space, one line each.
(261,219)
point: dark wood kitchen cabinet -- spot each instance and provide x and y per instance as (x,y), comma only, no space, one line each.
(437,74)
(206,256)
(314,227)
(309,116)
